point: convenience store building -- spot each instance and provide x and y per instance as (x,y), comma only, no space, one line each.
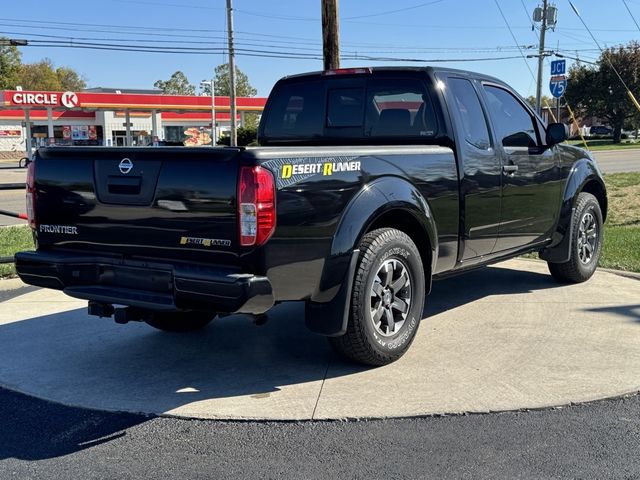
(112,117)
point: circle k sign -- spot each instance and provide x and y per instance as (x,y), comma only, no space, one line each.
(69,99)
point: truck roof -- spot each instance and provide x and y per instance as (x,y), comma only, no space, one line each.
(427,69)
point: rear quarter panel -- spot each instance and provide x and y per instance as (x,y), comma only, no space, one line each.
(316,185)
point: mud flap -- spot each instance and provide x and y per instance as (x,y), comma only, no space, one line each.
(331,318)
(561,252)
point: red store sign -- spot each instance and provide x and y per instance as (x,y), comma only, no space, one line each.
(45,99)
(10,133)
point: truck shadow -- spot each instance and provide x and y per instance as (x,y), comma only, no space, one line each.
(457,291)
(631,312)
(75,359)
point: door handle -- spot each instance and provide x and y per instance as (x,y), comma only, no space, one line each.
(510,169)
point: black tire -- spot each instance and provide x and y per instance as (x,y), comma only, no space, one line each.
(372,342)
(584,257)
(23,162)
(179,321)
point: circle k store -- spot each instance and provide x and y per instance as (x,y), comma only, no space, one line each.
(113,117)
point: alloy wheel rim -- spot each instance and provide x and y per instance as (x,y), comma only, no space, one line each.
(587,238)
(390,297)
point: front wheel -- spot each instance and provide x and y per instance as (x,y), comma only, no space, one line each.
(179,321)
(387,299)
(586,246)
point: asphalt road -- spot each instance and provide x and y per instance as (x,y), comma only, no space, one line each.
(44,440)
(615,161)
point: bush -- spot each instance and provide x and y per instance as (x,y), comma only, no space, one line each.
(246,136)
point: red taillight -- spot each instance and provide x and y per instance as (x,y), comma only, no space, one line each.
(31,195)
(347,71)
(256,205)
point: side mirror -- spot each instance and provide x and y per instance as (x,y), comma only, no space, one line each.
(556,133)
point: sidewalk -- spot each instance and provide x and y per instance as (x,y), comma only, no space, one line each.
(506,337)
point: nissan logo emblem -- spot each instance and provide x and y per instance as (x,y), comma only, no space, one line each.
(125,166)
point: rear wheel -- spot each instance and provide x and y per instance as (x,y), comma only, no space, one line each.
(180,321)
(586,242)
(386,301)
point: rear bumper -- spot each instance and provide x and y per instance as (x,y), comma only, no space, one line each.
(153,285)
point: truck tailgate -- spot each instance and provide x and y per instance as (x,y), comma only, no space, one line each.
(170,202)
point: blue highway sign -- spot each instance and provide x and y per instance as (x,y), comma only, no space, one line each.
(558,67)
(558,85)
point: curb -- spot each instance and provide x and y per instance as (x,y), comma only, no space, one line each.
(622,273)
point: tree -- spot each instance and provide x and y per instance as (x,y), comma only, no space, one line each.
(531,100)
(70,79)
(10,62)
(178,84)
(39,76)
(596,90)
(43,75)
(222,88)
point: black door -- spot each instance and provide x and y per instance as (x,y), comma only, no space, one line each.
(480,176)
(531,182)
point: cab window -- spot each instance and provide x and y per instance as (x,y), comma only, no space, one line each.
(514,124)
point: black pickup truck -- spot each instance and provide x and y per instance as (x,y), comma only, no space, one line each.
(368,184)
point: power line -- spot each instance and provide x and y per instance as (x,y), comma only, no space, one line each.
(606,57)
(389,12)
(631,14)
(515,40)
(255,53)
(277,17)
(162,4)
(278,44)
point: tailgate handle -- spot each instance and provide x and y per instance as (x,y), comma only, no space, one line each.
(124,185)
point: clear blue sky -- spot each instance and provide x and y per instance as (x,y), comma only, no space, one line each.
(444,29)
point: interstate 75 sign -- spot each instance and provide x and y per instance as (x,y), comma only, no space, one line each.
(558,85)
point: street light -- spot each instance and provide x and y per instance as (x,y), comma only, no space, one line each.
(214,138)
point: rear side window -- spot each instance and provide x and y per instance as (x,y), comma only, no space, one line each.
(399,108)
(297,112)
(469,110)
(513,123)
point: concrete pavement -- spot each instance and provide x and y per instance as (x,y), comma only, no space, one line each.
(502,338)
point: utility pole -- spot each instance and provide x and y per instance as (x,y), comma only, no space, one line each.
(543,29)
(232,76)
(330,35)
(214,138)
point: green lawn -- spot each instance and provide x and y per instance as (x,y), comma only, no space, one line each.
(12,240)
(621,248)
(622,229)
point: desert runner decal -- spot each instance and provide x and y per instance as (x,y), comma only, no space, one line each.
(205,242)
(292,170)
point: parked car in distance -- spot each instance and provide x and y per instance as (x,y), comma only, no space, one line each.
(601,130)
